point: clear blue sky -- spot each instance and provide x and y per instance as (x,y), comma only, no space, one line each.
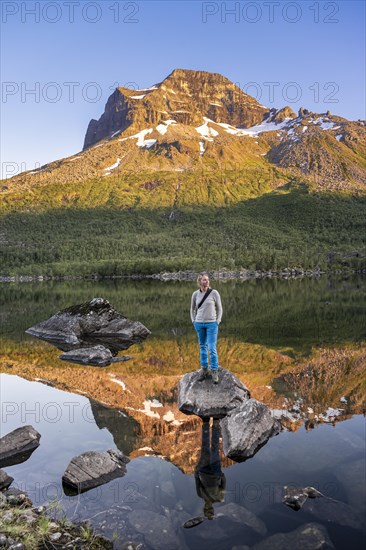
(73,54)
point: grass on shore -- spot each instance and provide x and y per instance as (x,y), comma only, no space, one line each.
(33,528)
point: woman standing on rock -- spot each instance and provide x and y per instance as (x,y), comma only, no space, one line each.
(206,313)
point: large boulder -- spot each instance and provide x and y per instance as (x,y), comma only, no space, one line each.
(246,429)
(90,324)
(18,445)
(205,399)
(92,469)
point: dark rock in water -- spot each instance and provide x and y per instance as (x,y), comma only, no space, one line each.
(295,497)
(157,529)
(311,536)
(97,356)
(241,515)
(92,469)
(90,324)
(5,480)
(206,399)
(246,429)
(18,445)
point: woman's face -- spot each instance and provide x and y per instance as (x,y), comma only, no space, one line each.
(205,282)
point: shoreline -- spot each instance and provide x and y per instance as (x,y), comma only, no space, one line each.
(188,275)
(25,526)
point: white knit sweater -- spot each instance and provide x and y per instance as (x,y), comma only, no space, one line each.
(211,309)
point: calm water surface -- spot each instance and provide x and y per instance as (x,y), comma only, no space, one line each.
(293,319)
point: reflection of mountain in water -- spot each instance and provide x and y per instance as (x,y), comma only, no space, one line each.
(124,429)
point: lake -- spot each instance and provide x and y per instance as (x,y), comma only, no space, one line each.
(298,344)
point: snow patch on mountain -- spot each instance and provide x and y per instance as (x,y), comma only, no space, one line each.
(162,128)
(115,165)
(205,131)
(254,131)
(141,141)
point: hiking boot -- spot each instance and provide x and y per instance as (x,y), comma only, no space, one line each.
(215,376)
(203,374)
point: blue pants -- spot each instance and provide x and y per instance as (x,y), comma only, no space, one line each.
(207,338)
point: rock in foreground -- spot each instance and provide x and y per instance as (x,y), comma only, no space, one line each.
(18,445)
(246,429)
(205,399)
(90,324)
(92,469)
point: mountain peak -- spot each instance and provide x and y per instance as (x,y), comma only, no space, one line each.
(186,96)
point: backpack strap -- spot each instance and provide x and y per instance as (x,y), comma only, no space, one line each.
(207,293)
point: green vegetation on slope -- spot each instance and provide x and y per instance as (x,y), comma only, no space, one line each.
(284,228)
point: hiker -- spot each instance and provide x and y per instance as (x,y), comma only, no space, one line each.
(206,313)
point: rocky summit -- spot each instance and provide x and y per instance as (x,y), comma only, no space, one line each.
(194,123)
(184,97)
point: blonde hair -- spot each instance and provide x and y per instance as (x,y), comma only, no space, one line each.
(200,277)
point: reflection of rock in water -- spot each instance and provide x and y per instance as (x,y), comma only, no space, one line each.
(124,429)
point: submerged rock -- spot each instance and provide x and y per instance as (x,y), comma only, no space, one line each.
(18,445)
(92,469)
(333,511)
(90,324)
(246,429)
(311,536)
(243,516)
(205,399)
(157,529)
(295,497)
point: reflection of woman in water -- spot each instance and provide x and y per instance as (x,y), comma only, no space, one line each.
(210,481)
